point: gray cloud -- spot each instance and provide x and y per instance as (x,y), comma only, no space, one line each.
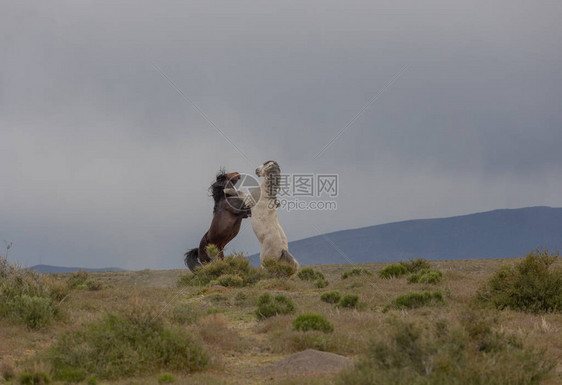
(102,162)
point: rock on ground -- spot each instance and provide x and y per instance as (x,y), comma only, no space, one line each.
(309,361)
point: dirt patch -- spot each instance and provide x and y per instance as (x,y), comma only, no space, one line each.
(309,361)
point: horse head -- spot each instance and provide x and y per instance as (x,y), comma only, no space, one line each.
(267,168)
(223,180)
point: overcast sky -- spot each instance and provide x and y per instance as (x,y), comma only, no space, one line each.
(111,115)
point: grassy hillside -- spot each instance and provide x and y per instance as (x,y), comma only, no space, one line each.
(229,339)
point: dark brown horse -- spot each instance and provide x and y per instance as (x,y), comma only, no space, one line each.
(228,213)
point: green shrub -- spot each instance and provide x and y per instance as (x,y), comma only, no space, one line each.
(308,274)
(35,312)
(92,380)
(166,378)
(438,352)
(93,285)
(28,297)
(355,272)
(124,346)
(331,296)
(231,280)
(427,276)
(276,269)
(77,280)
(269,306)
(350,300)
(321,283)
(415,300)
(232,265)
(415,265)
(212,251)
(34,378)
(532,285)
(312,321)
(393,270)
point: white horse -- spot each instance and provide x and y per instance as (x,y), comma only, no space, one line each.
(263,202)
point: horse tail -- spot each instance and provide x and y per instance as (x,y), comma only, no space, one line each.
(192,259)
(288,258)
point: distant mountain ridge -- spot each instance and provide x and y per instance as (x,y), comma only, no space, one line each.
(500,233)
(48,269)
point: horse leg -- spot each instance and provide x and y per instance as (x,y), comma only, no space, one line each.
(203,256)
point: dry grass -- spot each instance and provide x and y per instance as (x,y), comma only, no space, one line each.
(223,319)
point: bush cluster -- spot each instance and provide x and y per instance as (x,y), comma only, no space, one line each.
(350,300)
(29,297)
(269,306)
(427,276)
(82,280)
(332,297)
(277,269)
(415,265)
(312,321)
(533,285)
(235,271)
(393,270)
(355,272)
(415,300)
(438,352)
(308,274)
(230,271)
(124,346)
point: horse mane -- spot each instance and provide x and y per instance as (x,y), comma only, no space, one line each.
(217,188)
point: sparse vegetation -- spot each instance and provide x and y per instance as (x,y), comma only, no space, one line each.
(454,343)
(435,352)
(415,300)
(184,314)
(269,306)
(355,272)
(124,345)
(332,297)
(415,265)
(533,285)
(312,321)
(427,276)
(393,270)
